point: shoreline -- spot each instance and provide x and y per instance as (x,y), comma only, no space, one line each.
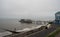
(32,30)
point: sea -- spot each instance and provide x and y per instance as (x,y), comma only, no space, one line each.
(11,24)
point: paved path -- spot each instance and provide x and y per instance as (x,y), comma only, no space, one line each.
(58,35)
(42,33)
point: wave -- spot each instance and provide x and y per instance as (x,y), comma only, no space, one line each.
(28,29)
(23,30)
(5,33)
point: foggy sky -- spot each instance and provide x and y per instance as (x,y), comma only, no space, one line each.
(28,8)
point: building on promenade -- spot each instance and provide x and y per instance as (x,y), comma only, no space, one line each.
(57,18)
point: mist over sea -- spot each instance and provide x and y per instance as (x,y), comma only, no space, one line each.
(10,24)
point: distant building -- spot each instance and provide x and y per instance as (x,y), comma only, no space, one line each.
(25,21)
(57,18)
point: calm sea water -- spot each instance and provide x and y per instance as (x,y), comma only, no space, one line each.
(13,23)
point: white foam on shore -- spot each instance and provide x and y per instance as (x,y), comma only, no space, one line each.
(5,33)
(28,29)
(23,30)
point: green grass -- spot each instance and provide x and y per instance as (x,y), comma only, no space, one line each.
(54,33)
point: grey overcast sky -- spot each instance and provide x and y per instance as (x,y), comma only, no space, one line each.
(28,8)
